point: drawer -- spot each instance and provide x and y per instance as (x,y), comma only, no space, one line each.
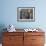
(13,44)
(8,45)
(16,41)
(8,39)
(12,38)
(34,33)
(34,39)
(37,44)
(37,39)
(13,33)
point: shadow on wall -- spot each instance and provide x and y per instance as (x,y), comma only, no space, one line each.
(2,26)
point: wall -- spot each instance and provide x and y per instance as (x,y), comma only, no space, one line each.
(8,13)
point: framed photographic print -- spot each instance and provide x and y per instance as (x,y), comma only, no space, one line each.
(26,14)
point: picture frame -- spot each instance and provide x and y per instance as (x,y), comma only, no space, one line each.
(26,14)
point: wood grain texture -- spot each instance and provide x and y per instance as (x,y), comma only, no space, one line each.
(34,39)
(23,39)
(13,39)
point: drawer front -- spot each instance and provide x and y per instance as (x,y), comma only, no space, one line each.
(34,33)
(37,39)
(13,33)
(12,44)
(8,44)
(37,44)
(12,39)
(34,41)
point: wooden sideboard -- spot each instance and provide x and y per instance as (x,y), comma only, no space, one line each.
(23,39)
